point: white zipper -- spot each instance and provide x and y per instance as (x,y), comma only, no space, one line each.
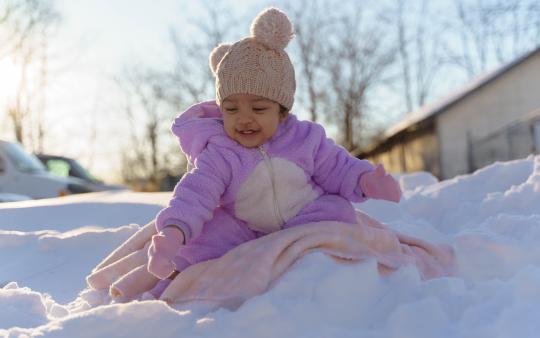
(268,163)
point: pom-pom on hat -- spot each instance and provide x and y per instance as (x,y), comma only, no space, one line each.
(258,64)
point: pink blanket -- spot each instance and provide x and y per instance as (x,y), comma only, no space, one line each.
(253,267)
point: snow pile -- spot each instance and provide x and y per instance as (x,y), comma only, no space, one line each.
(21,307)
(491,217)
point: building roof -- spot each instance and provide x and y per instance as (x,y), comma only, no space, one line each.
(434,108)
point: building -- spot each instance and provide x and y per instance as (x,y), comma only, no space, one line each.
(493,118)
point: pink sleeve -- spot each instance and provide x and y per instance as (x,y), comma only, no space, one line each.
(336,171)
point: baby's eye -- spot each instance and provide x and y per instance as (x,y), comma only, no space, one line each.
(259,109)
(230,110)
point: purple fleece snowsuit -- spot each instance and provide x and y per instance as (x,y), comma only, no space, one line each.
(234,194)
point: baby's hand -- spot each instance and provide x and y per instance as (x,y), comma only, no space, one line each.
(378,184)
(161,252)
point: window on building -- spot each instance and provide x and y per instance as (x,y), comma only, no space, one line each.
(537,136)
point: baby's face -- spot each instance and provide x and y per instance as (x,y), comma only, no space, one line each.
(250,120)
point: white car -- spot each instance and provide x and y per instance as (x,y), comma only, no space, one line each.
(13,198)
(23,174)
(68,167)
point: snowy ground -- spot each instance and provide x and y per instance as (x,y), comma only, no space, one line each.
(491,217)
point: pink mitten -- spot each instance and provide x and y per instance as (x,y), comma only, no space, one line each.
(164,247)
(378,184)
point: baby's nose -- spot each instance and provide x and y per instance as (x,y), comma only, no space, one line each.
(245,118)
(244,124)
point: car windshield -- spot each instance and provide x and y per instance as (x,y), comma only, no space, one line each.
(79,171)
(22,160)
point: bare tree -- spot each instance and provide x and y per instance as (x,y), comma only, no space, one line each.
(493,31)
(473,37)
(191,80)
(146,157)
(418,49)
(25,26)
(19,110)
(358,57)
(39,123)
(404,54)
(311,20)
(533,16)
(17,23)
(426,64)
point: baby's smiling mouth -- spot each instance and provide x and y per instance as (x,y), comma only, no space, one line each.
(247,131)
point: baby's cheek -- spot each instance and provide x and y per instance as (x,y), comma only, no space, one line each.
(272,130)
(229,130)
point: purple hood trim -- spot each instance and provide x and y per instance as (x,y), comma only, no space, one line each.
(196,126)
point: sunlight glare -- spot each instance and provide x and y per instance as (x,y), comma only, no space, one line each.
(9,79)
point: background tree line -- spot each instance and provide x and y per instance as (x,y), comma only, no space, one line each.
(359,65)
(25,30)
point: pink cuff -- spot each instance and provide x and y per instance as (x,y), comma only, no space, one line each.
(180,263)
(184,228)
(358,191)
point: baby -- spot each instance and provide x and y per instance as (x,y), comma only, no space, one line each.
(255,168)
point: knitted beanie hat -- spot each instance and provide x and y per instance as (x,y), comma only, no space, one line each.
(257,64)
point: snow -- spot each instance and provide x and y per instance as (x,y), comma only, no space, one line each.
(491,217)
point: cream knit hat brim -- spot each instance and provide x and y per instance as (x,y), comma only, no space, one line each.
(258,64)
